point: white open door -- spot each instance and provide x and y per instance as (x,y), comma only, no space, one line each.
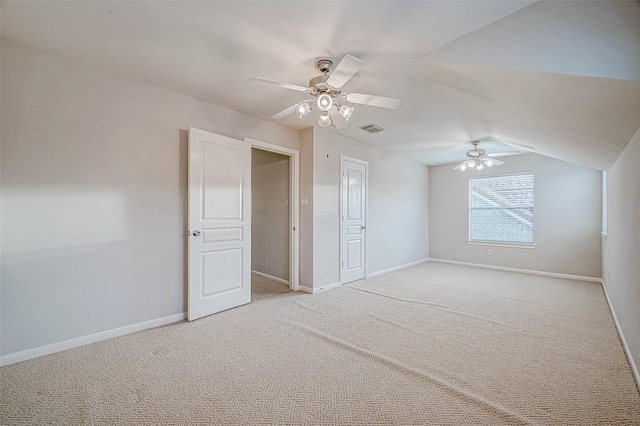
(219,223)
(354,198)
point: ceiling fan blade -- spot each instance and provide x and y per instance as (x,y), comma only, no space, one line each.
(337,119)
(504,154)
(283,113)
(497,162)
(277,83)
(346,69)
(377,101)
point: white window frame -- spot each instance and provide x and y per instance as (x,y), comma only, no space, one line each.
(495,243)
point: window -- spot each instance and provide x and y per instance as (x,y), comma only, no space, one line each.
(604,203)
(501,209)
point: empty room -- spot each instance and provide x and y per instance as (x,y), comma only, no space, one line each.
(320,213)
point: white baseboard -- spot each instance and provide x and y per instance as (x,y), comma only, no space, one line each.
(85,340)
(523,271)
(317,290)
(627,351)
(270,277)
(326,287)
(395,268)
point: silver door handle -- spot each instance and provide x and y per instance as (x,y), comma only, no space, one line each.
(196,233)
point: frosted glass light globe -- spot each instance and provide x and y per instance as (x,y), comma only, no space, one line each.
(324,120)
(324,102)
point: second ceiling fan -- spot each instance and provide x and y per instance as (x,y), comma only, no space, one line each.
(327,94)
(478,159)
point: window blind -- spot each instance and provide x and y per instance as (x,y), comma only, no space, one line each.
(501,209)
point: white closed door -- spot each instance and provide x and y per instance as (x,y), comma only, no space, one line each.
(354,197)
(219,223)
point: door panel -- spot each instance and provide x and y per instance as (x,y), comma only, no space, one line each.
(221,271)
(219,223)
(354,249)
(222,234)
(354,181)
(354,230)
(355,205)
(222,182)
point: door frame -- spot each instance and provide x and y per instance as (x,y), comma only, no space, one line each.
(294,210)
(344,158)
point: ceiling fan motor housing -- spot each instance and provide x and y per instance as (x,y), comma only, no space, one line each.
(475,153)
(319,83)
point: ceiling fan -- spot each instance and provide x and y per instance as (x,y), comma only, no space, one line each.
(477,158)
(327,94)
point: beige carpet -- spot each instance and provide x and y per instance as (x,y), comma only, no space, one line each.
(431,344)
(262,288)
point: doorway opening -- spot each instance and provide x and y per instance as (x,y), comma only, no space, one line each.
(274,219)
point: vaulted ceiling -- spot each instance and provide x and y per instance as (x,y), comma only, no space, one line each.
(558,78)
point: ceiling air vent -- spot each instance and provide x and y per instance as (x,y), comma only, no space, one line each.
(372,128)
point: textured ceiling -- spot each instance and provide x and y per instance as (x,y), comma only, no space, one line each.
(562,78)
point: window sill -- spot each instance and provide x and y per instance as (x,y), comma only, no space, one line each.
(510,245)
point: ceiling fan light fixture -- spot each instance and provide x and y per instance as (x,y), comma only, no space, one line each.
(324,102)
(325,119)
(326,89)
(477,159)
(303,108)
(345,111)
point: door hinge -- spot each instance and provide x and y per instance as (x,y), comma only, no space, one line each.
(294,228)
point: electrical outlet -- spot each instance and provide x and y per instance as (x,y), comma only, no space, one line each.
(490,252)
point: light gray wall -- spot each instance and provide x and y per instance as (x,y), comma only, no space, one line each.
(270,213)
(94,180)
(567,217)
(398,212)
(621,249)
